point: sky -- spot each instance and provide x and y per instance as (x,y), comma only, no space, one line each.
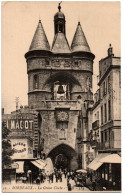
(100,22)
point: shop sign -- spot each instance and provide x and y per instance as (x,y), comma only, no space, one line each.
(19,147)
(20,124)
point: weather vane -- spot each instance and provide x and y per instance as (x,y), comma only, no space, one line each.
(59,7)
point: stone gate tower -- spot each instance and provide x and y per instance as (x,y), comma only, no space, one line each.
(59,85)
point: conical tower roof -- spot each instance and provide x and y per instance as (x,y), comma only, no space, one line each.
(79,42)
(60,44)
(39,41)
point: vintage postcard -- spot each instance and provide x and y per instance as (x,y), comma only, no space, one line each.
(61,96)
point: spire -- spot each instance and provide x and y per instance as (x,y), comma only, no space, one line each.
(59,7)
(39,41)
(79,42)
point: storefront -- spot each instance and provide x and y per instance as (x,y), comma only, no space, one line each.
(9,175)
(107,167)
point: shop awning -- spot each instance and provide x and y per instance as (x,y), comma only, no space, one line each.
(39,164)
(111,158)
(104,158)
(20,168)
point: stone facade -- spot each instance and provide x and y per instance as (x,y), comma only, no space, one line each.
(59,82)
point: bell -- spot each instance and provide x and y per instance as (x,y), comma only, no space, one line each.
(60,89)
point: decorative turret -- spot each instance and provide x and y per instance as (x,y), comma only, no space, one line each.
(79,42)
(39,41)
(59,21)
(60,43)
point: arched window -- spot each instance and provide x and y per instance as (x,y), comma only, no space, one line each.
(76,63)
(60,28)
(79,97)
(36,82)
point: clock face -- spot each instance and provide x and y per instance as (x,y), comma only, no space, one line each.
(62,116)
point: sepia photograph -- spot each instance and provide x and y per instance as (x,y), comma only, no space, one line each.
(61,96)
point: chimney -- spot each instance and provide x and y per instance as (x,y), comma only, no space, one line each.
(110,50)
(2,111)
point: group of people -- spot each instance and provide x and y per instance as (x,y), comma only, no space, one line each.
(57,176)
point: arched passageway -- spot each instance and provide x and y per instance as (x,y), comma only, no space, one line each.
(63,156)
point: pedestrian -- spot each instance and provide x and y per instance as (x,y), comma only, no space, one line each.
(38,180)
(52,177)
(65,173)
(68,175)
(94,182)
(49,178)
(69,185)
(56,176)
(60,176)
(72,182)
(41,178)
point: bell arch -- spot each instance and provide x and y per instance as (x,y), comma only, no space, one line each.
(61,84)
(62,77)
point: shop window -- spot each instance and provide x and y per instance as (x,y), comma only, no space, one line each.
(35,82)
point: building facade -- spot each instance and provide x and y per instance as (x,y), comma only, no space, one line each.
(106,125)
(59,89)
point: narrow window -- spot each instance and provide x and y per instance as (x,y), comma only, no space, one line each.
(109,110)
(104,89)
(102,137)
(109,84)
(60,28)
(97,115)
(35,82)
(105,112)
(101,114)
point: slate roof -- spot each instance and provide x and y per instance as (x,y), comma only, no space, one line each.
(39,41)
(60,44)
(79,42)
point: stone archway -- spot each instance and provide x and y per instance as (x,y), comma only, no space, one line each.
(63,156)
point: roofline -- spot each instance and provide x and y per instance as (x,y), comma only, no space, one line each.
(106,73)
(108,57)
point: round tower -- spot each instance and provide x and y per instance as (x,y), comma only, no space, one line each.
(38,59)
